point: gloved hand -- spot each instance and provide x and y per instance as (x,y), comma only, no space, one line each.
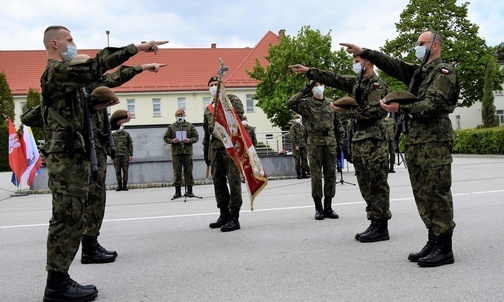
(308,87)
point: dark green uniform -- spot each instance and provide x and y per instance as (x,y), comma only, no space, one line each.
(430,139)
(251,132)
(299,137)
(369,144)
(124,149)
(390,126)
(182,152)
(319,120)
(223,167)
(67,162)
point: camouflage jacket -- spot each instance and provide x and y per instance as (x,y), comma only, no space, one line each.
(298,135)
(252,135)
(181,148)
(369,115)
(207,123)
(62,109)
(390,127)
(318,117)
(123,143)
(438,94)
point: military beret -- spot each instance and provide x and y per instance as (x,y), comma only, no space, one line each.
(118,115)
(179,112)
(103,94)
(346,101)
(401,97)
(213,79)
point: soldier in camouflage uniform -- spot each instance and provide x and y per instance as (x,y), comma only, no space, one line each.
(223,167)
(67,160)
(369,144)
(182,151)
(250,131)
(429,141)
(123,155)
(390,126)
(299,137)
(319,120)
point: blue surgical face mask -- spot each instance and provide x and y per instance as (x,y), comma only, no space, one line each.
(357,68)
(70,53)
(121,128)
(318,90)
(420,52)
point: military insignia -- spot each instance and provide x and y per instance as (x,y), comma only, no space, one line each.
(445,71)
(376,84)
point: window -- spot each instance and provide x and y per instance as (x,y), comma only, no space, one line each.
(156,107)
(206,100)
(250,103)
(181,103)
(500,114)
(131,106)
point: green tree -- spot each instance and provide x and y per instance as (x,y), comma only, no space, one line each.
(277,84)
(499,52)
(6,100)
(34,99)
(488,116)
(463,47)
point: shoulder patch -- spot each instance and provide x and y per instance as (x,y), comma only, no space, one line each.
(444,71)
(376,84)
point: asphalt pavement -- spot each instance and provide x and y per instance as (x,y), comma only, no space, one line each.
(168,253)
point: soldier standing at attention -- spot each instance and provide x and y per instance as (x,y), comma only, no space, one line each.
(319,118)
(181,135)
(430,139)
(369,144)
(123,156)
(224,169)
(299,138)
(67,161)
(390,126)
(250,131)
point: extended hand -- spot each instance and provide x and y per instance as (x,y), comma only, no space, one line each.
(151,46)
(298,68)
(353,49)
(152,67)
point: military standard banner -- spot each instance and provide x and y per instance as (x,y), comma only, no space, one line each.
(229,129)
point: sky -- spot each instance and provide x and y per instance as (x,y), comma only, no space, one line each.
(199,23)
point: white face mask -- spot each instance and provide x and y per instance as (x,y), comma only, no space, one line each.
(121,128)
(298,121)
(318,90)
(357,68)
(213,90)
(244,123)
(420,52)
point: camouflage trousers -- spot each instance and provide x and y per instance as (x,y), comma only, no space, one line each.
(391,153)
(370,159)
(184,161)
(429,167)
(224,168)
(301,159)
(322,158)
(121,166)
(95,204)
(69,184)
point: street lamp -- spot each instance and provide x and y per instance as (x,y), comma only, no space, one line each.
(107,32)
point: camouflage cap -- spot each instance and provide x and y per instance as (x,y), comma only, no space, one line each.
(118,115)
(213,79)
(346,101)
(180,112)
(103,94)
(401,97)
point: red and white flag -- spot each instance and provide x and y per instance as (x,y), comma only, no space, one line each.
(229,129)
(32,155)
(17,159)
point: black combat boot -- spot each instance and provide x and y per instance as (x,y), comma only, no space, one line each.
(378,231)
(305,174)
(299,176)
(102,249)
(319,211)
(125,185)
(233,223)
(91,253)
(391,170)
(440,254)
(60,287)
(222,220)
(370,227)
(178,192)
(119,186)
(426,250)
(189,192)
(328,211)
